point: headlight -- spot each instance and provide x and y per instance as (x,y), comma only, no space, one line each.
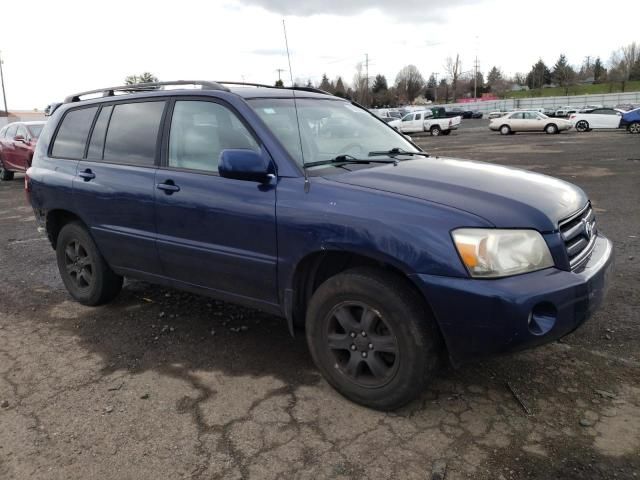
(492,253)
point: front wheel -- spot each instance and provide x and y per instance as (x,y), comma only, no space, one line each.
(505,130)
(5,175)
(435,131)
(84,272)
(551,129)
(371,338)
(634,127)
(582,126)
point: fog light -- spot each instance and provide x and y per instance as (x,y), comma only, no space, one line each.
(542,318)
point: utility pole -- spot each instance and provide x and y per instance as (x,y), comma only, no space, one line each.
(366,62)
(475,78)
(4,95)
(280,70)
(435,89)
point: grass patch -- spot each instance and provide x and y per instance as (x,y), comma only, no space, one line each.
(599,88)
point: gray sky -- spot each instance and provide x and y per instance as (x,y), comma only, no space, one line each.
(65,46)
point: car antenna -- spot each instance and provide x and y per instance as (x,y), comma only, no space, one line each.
(295,106)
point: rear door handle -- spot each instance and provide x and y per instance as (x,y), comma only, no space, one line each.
(168,187)
(87,175)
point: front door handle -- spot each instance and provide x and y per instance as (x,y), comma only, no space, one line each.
(87,175)
(168,187)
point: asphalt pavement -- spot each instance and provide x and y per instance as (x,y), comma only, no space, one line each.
(163,384)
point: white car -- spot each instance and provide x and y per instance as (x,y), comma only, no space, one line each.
(423,121)
(496,114)
(566,111)
(528,121)
(598,118)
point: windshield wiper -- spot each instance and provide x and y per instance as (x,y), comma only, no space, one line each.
(345,159)
(396,151)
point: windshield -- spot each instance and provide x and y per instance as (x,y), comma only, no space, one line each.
(36,130)
(328,128)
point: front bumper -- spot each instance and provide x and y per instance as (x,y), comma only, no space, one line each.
(484,317)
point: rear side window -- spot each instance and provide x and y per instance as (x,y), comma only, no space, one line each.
(96,144)
(132,134)
(73,132)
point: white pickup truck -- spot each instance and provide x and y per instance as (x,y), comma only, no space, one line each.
(424,121)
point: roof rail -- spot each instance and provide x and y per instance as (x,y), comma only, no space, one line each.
(145,87)
(262,85)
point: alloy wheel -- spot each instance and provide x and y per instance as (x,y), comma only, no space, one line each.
(363,346)
(78,264)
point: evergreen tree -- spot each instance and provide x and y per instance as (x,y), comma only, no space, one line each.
(599,72)
(563,74)
(340,91)
(379,84)
(539,75)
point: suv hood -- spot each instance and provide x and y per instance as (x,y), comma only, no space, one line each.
(504,196)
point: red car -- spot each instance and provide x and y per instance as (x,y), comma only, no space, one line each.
(17,143)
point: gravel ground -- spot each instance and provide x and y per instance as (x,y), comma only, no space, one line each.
(162,384)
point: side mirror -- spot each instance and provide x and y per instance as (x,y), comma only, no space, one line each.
(242,164)
(19,138)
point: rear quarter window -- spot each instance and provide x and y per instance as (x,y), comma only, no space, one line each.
(71,138)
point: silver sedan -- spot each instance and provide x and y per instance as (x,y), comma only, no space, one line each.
(528,121)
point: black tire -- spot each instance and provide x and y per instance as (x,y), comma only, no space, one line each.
(435,131)
(371,374)
(446,132)
(634,127)
(551,129)
(88,278)
(505,129)
(582,126)
(5,175)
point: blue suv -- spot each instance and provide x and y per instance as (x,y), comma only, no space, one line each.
(307,206)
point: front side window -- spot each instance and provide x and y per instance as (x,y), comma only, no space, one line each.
(11,131)
(22,131)
(73,132)
(132,134)
(328,128)
(200,131)
(35,130)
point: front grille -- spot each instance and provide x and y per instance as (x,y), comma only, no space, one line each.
(579,235)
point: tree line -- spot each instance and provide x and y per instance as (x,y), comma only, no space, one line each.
(410,85)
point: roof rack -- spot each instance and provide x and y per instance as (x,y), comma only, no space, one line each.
(145,87)
(262,85)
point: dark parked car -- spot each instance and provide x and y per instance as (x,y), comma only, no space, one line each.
(17,143)
(477,114)
(387,257)
(631,120)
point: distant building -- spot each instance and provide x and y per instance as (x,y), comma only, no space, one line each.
(21,116)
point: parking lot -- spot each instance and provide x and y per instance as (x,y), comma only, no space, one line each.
(162,384)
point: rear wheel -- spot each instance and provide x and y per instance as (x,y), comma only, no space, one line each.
(634,127)
(582,126)
(435,131)
(505,130)
(84,272)
(5,174)
(446,132)
(551,129)
(371,338)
